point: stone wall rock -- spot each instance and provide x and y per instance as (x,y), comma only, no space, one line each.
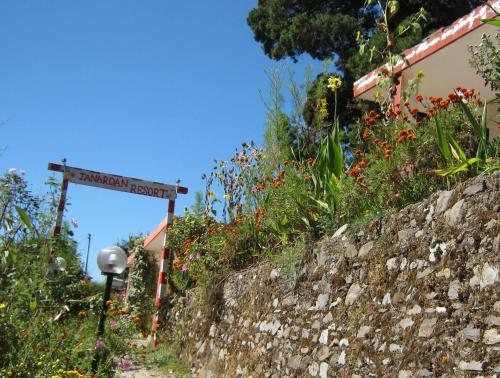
(414,294)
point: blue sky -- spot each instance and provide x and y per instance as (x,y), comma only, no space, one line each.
(149,89)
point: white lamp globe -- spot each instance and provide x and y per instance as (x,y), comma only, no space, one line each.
(112,260)
(60,264)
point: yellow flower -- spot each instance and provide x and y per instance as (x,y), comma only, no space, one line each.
(2,306)
(334,83)
(56,376)
(40,363)
(227,196)
(211,194)
(378,95)
(420,74)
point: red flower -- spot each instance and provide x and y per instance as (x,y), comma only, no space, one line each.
(419,98)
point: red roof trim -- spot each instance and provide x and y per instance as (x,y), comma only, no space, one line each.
(430,45)
(161,227)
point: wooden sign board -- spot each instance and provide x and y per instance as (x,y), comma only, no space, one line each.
(119,183)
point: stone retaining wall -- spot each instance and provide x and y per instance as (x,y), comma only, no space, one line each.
(414,294)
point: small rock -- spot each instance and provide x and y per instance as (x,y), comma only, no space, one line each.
(363,331)
(493,320)
(392,263)
(294,362)
(353,294)
(415,310)
(403,264)
(430,214)
(405,323)
(323,370)
(471,366)
(323,339)
(454,215)
(341,360)
(386,361)
(305,333)
(313,369)
(395,348)
(211,333)
(344,343)
(328,318)
(427,327)
(443,200)
(406,234)
(324,353)
(316,325)
(337,301)
(418,264)
(275,273)
(322,301)
(424,274)
(340,231)
(472,334)
(405,374)
(365,249)
(473,189)
(453,289)
(491,336)
(350,250)
(387,299)
(484,276)
(446,273)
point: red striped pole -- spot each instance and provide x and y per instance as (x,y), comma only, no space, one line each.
(165,269)
(62,204)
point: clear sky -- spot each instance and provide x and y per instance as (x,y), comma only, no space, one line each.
(151,89)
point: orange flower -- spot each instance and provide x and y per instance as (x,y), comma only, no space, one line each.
(177,264)
(82,314)
(419,98)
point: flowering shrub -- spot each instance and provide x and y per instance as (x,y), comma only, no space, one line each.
(399,152)
(142,287)
(48,317)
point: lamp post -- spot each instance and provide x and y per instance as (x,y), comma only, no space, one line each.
(112,261)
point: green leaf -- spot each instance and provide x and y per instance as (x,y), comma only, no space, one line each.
(362,48)
(491,21)
(416,27)
(456,150)
(442,142)
(33,304)
(25,219)
(459,168)
(480,128)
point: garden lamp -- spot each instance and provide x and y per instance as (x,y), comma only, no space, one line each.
(112,261)
(60,264)
(57,266)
